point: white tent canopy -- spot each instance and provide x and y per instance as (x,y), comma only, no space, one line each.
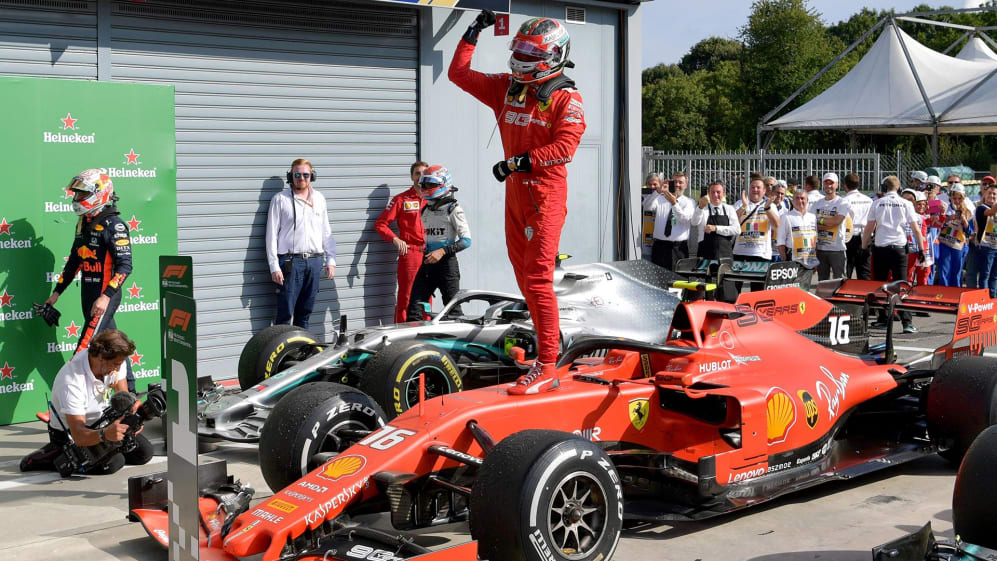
(881,94)
(976,49)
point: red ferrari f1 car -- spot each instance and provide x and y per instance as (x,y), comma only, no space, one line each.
(733,409)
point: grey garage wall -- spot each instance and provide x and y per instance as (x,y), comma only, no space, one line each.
(257,85)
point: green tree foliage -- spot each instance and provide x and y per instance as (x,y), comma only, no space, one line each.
(714,98)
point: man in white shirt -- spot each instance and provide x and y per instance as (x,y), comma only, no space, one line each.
(812,186)
(857,259)
(797,237)
(673,215)
(298,240)
(833,230)
(887,219)
(717,224)
(759,220)
(80,394)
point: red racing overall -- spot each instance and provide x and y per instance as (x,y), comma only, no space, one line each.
(535,201)
(405,209)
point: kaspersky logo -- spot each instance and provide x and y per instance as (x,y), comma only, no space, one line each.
(68,123)
(131,159)
(8,241)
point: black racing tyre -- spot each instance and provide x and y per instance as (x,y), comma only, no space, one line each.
(391,376)
(273,349)
(545,495)
(309,421)
(962,402)
(973,514)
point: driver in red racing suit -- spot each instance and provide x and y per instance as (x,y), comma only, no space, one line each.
(541,120)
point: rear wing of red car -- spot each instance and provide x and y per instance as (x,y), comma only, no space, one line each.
(943,299)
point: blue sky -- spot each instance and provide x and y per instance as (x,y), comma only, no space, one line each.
(671,27)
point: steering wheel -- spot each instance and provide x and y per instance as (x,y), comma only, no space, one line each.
(901,287)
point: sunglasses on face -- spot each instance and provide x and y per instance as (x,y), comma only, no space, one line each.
(300,175)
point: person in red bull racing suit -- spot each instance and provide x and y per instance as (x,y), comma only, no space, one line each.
(101,254)
(446,233)
(540,117)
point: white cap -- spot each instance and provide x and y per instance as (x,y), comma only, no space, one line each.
(830,175)
(919,175)
(934,180)
(781,183)
(957,188)
(913,192)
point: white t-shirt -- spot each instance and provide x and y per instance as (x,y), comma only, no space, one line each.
(77,392)
(858,208)
(833,240)
(814,196)
(798,232)
(755,237)
(891,213)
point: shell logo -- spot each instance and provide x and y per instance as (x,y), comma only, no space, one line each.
(781,413)
(341,467)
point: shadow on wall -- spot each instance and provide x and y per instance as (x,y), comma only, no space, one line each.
(24,343)
(377,199)
(258,289)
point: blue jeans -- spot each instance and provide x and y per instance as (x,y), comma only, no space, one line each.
(301,280)
(971,266)
(986,269)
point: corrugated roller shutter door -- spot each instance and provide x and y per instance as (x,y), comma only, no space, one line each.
(257,85)
(48,38)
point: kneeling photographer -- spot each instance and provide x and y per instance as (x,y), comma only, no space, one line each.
(91,431)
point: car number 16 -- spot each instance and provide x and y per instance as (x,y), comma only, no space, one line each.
(840,326)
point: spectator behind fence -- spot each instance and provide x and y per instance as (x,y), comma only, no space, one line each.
(856,258)
(673,216)
(833,230)
(405,210)
(917,179)
(812,185)
(798,233)
(758,222)
(986,236)
(717,223)
(972,272)
(885,230)
(955,229)
(918,266)
(298,240)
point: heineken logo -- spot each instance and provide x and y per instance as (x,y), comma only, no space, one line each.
(68,124)
(60,347)
(72,331)
(145,240)
(138,307)
(135,291)
(129,172)
(133,224)
(131,158)
(6,229)
(58,207)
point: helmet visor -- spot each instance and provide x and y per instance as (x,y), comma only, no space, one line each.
(528,49)
(78,184)
(432,179)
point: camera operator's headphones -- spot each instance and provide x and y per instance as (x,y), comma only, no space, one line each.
(290,179)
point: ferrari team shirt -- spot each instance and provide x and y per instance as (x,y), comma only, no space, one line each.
(891,213)
(798,232)
(833,240)
(755,236)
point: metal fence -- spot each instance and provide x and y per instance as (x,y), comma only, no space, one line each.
(734,168)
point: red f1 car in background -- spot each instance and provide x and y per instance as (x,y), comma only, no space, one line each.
(733,409)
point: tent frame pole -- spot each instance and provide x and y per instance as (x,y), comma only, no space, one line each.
(956,42)
(823,71)
(913,69)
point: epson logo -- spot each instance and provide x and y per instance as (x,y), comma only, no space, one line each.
(785,273)
(974,308)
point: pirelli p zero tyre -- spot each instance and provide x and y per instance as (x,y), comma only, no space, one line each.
(273,349)
(973,514)
(545,495)
(391,376)
(320,418)
(962,402)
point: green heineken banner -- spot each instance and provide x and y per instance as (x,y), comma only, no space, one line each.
(52,130)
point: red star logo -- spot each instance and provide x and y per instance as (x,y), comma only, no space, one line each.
(133,223)
(69,122)
(5,372)
(135,291)
(69,193)
(132,157)
(136,358)
(73,330)
(5,226)
(5,299)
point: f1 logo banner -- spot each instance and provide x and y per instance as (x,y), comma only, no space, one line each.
(178,325)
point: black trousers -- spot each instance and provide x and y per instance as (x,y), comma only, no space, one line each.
(106,321)
(887,260)
(443,275)
(666,253)
(43,458)
(857,259)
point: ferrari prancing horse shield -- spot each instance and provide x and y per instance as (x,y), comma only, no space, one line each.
(639,409)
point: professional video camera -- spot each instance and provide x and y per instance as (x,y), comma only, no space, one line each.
(77,458)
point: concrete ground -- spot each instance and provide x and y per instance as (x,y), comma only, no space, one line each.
(47,518)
